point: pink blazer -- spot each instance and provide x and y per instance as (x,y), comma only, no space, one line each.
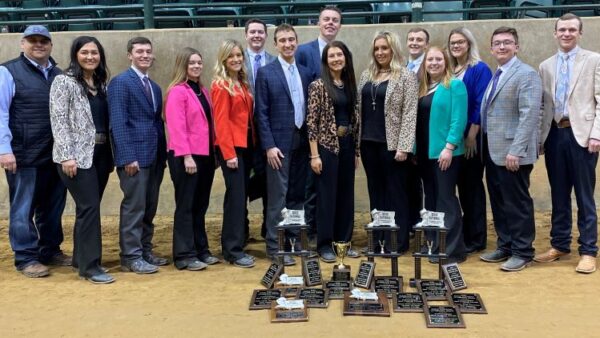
(187,125)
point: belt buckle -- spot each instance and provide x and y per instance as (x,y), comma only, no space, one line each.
(100,138)
(342,131)
(564,123)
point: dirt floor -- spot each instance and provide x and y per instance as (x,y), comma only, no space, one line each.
(541,301)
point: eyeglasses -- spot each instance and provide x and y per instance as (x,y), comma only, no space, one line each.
(506,43)
(458,43)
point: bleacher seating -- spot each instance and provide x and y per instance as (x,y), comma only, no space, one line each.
(129,14)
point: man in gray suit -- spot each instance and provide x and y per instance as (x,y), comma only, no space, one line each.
(255,54)
(510,122)
(571,137)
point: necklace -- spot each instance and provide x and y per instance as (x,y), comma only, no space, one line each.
(339,84)
(374,88)
(432,86)
(389,70)
(459,70)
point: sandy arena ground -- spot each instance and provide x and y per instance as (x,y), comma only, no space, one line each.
(541,301)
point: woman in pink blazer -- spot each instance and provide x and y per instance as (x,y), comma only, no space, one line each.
(191,159)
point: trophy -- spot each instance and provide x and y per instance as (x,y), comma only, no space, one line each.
(341,272)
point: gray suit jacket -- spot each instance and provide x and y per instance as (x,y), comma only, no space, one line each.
(269,58)
(513,117)
(583,100)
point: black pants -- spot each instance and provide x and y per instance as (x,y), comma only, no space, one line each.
(335,195)
(87,188)
(512,207)
(387,186)
(414,192)
(192,197)
(234,204)
(472,200)
(440,195)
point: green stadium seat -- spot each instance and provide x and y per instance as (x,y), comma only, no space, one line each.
(183,20)
(492,14)
(207,12)
(81,13)
(305,8)
(533,13)
(132,13)
(394,7)
(34,4)
(349,8)
(443,5)
(71,3)
(580,12)
(266,10)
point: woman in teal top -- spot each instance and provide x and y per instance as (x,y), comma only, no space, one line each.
(441,121)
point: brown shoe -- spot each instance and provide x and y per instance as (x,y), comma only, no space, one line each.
(549,256)
(35,270)
(60,259)
(587,264)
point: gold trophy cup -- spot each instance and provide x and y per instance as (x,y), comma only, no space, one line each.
(341,272)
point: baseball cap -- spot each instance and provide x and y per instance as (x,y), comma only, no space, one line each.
(37,30)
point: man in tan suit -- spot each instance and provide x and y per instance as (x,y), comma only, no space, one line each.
(570,134)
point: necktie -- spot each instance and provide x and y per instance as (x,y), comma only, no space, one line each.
(411,66)
(147,90)
(489,99)
(562,88)
(296,97)
(256,65)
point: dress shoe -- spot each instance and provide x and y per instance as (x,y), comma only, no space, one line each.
(495,256)
(515,263)
(102,268)
(209,259)
(139,266)
(587,264)
(243,262)
(158,261)
(549,256)
(327,257)
(35,270)
(60,259)
(101,278)
(471,250)
(192,264)
(352,253)
(249,256)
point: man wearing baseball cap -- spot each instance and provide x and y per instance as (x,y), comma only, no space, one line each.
(37,196)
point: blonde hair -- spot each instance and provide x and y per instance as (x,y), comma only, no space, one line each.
(397,62)
(424,76)
(472,54)
(179,74)
(221,76)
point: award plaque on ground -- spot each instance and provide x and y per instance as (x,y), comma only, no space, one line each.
(454,277)
(408,302)
(336,289)
(468,303)
(444,316)
(262,298)
(271,275)
(311,271)
(366,270)
(286,311)
(361,303)
(314,297)
(388,284)
(341,272)
(433,289)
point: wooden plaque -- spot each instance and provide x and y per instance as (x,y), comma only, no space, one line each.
(271,275)
(288,315)
(289,291)
(408,302)
(314,297)
(336,289)
(262,298)
(388,284)
(446,316)
(469,303)
(454,277)
(341,274)
(357,307)
(366,270)
(433,289)
(311,271)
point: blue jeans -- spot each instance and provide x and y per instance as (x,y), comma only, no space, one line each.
(37,201)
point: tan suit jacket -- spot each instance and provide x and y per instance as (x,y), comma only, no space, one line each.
(583,98)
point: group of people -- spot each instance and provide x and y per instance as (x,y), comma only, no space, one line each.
(300,122)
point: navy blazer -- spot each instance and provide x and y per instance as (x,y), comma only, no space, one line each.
(273,107)
(136,127)
(308,55)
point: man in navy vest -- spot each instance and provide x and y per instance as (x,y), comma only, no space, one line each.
(37,196)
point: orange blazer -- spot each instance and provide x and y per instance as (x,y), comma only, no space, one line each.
(233,116)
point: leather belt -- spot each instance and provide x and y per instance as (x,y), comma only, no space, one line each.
(344,130)
(564,123)
(101,138)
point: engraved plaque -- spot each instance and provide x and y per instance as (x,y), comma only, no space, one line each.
(469,303)
(388,284)
(262,299)
(366,270)
(454,277)
(314,297)
(433,289)
(271,275)
(311,271)
(408,302)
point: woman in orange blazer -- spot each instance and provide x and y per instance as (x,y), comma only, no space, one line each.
(233,105)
